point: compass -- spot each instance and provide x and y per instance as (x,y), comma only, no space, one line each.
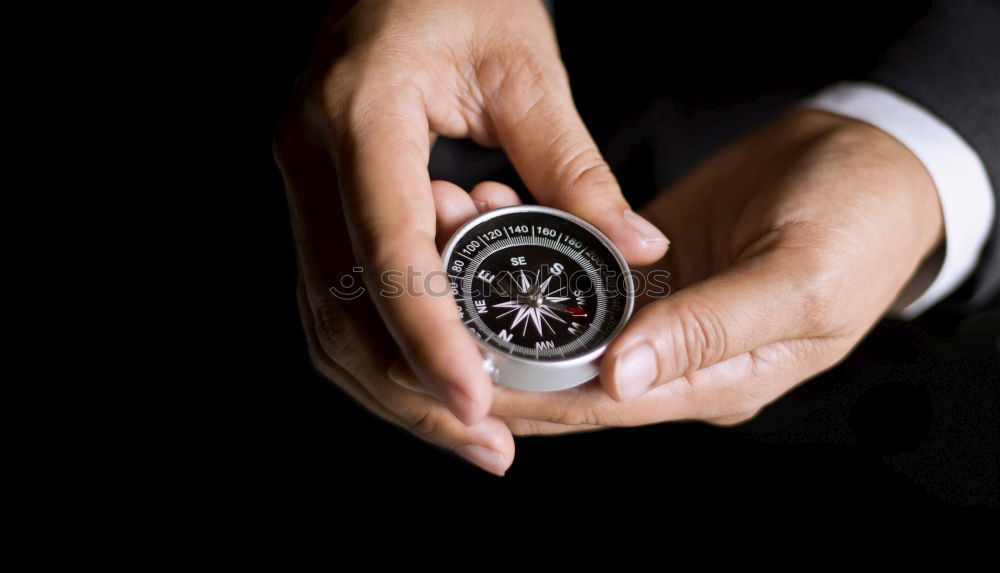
(541,291)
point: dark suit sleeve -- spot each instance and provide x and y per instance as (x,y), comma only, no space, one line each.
(949,62)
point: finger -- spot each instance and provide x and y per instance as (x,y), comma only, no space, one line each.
(382,154)
(401,373)
(589,405)
(490,195)
(719,392)
(487,444)
(539,128)
(525,427)
(758,302)
(453,207)
(344,343)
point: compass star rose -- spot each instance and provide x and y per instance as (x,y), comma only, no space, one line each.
(534,305)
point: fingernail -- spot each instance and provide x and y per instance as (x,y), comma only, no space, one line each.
(482,206)
(635,371)
(649,233)
(483,457)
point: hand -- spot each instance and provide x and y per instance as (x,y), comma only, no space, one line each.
(387,77)
(347,342)
(788,245)
(353,150)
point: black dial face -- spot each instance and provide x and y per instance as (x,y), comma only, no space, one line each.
(534,284)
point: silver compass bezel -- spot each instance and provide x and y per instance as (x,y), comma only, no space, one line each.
(547,375)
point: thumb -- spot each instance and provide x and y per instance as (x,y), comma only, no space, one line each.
(537,125)
(755,303)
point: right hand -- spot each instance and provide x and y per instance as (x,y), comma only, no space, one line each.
(386,78)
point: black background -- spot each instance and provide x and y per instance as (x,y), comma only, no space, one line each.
(907,424)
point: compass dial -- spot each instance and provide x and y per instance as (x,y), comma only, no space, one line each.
(538,284)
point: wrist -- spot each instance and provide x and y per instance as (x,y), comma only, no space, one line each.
(916,189)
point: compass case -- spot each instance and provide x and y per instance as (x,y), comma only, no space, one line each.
(542,373)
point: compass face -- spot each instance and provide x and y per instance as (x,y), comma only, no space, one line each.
(536,283)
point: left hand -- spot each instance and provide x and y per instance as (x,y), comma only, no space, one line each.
(788,246)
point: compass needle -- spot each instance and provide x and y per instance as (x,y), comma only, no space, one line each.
(549,313)
(546,322)
(545,285)
(506,313)
(522,313)
(536,316)
(525,285)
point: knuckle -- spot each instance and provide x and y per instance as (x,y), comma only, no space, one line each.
(589,416)
(572,418)
(328,93)
(577,411)
(562,415)
(333,328)
(820,268)
(697,337)
(514,74)
(357,108)
(427,422)
(583,169)
(811,257)
(361,119)
(520,86)
(817,307)
(525,427)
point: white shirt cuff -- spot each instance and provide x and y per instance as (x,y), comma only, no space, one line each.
(963,187)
